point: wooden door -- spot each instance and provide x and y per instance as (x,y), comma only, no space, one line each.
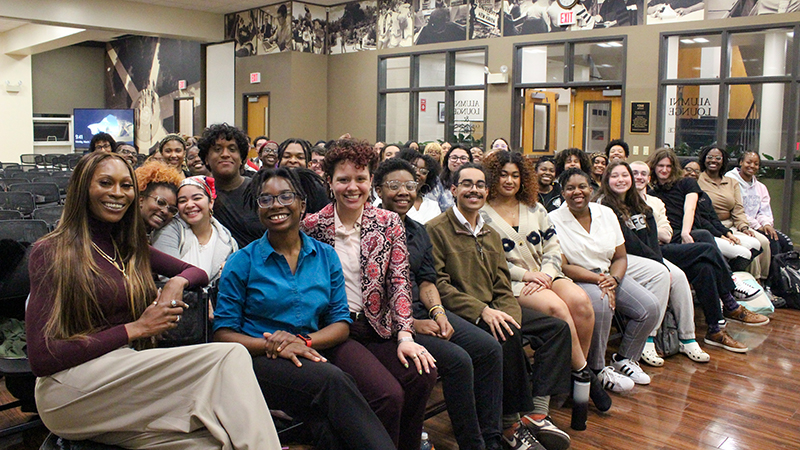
(257,118)
(580,123)
(539,122)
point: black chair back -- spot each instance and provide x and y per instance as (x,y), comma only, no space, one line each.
(43,192)
(23,230)
(10,214)
(19,201)
(50,214)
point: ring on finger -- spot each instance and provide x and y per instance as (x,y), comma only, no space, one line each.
(173,303)
(177,319)
(423,352)
(414,357)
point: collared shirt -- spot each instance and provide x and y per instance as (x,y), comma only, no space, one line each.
(259,293)
(463,220)
(420,260)
(591,249)
(348,247)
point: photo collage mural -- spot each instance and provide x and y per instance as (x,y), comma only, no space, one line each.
(378,24)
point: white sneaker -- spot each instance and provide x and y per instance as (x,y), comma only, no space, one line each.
(694,352)
(743,291)
(650,356)
(614,381)
(631,370)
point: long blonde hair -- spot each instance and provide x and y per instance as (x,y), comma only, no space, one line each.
(73,272)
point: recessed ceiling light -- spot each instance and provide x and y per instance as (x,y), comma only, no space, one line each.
(701,40)
(687,41)
(615,44)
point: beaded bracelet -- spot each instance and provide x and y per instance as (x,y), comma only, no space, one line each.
(405,339)
(437,314)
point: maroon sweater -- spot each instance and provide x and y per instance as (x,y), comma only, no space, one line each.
(49,356)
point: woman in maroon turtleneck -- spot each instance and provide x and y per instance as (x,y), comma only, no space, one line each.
(94,309)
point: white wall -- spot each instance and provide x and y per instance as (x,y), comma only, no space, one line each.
(220,84)
(16,109)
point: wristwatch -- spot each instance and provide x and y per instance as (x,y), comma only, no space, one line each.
(306,338)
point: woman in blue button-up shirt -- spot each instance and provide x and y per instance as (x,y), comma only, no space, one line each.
(283,298)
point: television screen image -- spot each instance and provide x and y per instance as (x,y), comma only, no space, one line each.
(116,122)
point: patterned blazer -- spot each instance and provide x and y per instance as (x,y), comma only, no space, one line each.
(385,272)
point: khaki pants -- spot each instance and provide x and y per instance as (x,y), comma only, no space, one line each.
(195,397)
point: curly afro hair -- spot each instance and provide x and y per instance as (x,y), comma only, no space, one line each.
(360,153)
(155,174)
(528,193)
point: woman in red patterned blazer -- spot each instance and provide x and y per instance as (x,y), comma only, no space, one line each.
(394,373)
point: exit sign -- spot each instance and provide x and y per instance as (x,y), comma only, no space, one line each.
(181,84)
(255,77)
(566,18)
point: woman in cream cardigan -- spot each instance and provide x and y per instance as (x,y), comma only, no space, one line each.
(533,252)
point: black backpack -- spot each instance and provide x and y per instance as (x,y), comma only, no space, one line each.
(784,277)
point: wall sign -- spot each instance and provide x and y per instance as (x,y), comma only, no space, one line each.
(255,77)
(640,117)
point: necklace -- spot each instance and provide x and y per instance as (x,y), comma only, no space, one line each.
(118,265)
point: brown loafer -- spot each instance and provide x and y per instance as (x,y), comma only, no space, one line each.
(745,316)
(722,339)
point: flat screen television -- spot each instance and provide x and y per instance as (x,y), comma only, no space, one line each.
(119,123)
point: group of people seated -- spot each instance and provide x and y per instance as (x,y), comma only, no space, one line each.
(351,276)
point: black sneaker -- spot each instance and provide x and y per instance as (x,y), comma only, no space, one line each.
(599,396)
(522,439)
(549,435)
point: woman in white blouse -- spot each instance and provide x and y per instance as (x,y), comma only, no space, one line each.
(595,258)
(534,254)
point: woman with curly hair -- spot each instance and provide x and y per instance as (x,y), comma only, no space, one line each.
(573,157)
(534,255)
(395,374)
(158,194)
(424,208)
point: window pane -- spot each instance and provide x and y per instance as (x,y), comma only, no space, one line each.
(599,61)
(542,64)
(755,119)
(545,118)
(690,117)
(761,53)
(430,125)
(431,70)
(693,56)
(397,72)
(469,68)
(468,116)
(397,117)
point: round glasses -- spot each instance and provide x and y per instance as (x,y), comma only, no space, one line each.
(284,199)
(164,205)
(395,185)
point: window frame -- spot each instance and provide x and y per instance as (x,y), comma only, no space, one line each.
(517,100)
(449,88)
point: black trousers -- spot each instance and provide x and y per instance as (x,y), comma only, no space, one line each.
(550,373)
(322,394)
(706,270)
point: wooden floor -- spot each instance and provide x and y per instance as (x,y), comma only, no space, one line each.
(749,401)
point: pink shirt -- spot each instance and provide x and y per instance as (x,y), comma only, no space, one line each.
(348,247)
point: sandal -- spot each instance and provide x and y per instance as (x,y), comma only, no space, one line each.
(650,356)
(694,352)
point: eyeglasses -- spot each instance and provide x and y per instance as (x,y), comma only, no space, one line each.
(690,170)
(423,171)
(103,146)
(468,184)
(455,158)
(165,206)
(126,152)
(284,199)
(394,185)
(269,151)
(315,162)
